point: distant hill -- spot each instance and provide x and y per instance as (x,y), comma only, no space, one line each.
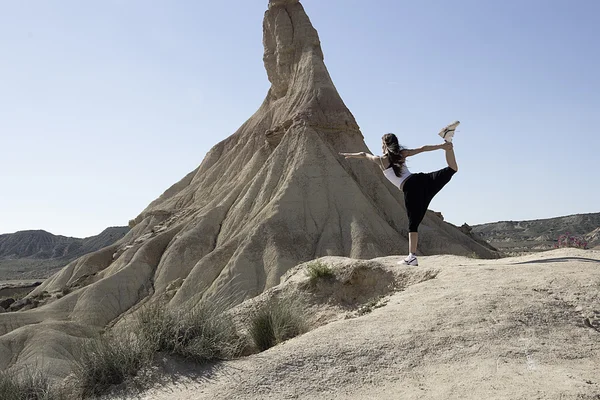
(38,254)
(540,234)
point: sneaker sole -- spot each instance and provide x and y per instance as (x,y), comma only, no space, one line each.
(408,264)
(448,131)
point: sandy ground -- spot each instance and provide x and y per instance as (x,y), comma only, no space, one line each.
(515,328)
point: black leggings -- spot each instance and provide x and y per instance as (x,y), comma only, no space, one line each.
(419,189)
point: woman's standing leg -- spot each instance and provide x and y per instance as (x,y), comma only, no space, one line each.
(416,206)
(418,195)
(413,240)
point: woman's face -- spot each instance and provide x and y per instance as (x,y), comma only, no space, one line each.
(383,147)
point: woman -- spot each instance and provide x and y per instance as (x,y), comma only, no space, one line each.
(420,188)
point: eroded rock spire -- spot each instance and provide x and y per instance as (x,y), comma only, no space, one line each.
(274,194)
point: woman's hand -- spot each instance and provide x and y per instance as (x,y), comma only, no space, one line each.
(447,146)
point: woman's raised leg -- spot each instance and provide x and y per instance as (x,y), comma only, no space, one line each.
(450,157)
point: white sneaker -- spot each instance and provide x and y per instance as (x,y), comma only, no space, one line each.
(410,260)
(448,131)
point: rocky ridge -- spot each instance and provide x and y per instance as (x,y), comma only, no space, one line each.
(540,234)
(38,254)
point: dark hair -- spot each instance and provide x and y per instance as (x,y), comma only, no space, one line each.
(393,149)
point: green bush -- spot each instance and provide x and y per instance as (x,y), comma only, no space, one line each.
(318,270)
(109,360)
(203,334)
(275,323)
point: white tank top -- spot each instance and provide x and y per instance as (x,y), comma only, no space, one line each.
(391,175)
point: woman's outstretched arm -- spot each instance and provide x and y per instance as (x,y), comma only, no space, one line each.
(362,155)
(413,152)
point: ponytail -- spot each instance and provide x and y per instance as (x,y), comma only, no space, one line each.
(393,149)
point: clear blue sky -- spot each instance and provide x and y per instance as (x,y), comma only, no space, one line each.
(105,104)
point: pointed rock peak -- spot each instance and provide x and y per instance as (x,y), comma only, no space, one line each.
(288,35)
(301,87)
(276,3)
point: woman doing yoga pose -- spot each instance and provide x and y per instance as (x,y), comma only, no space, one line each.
(419,188)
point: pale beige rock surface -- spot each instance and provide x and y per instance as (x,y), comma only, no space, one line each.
(273,195)
(515,328)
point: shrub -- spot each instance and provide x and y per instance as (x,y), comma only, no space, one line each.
(318,270)
(568,240)
(30,385)
(276,322)
(371,305)
(204,334)
(109,360)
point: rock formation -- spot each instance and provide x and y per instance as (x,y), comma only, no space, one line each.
(272,195)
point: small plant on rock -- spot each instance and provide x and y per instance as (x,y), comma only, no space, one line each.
(277,322)
(202,334)
(370,306)
(30,384)
(109,360)
(318,270)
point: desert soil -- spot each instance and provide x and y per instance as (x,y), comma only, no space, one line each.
(515,328)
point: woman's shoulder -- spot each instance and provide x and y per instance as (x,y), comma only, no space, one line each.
(385,161)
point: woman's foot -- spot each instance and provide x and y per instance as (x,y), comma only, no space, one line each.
(448,131)
(410,260)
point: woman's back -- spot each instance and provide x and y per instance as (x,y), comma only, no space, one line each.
(389,172)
